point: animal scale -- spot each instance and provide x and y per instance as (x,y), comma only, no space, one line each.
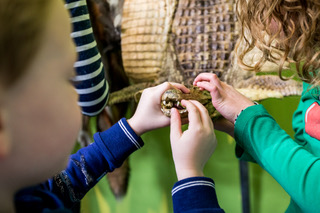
(171,40)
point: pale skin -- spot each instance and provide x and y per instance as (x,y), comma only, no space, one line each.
(192,148)
(149,107)
(39,115)
(227,100)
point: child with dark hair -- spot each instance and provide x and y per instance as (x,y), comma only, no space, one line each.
(40,116)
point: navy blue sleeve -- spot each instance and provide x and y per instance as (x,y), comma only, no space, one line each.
(86,167)
(90,82)
(196,194)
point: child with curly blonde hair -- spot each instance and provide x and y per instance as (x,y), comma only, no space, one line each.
(285,31)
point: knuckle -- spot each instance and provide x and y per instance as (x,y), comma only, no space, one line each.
(166,85)
(214,77)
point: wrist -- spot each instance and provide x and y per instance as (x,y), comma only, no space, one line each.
(135,126)
(188,173)
(237,115)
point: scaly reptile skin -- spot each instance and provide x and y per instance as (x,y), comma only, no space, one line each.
(172,98)
(167,40)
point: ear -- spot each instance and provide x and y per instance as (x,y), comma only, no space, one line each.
(4,139)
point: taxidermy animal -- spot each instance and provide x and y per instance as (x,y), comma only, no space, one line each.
(171,40)
(175,40)
(172,99)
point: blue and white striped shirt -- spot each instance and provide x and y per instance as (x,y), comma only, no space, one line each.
(91,84)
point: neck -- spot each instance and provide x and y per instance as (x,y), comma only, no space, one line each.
(6,202)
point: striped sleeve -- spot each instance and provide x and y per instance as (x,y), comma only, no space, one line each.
(90,82)
(194,183)
(130,136)
(195,194)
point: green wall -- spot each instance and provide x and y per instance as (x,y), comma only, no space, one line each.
(152,175)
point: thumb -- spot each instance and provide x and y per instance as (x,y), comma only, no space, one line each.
(175,125)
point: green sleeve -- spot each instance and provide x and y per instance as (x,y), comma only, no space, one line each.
(298,116)
(296,169)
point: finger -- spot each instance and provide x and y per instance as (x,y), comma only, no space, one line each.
(163,87)
(206,85)
(193,113)
(213,89)
(207,77)
(175,125)
(160,89)
(205,118)
(182,87)
(202,77)
(157,91)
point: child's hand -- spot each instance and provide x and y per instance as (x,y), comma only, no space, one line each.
(192,148)
(148,115)
(228,101)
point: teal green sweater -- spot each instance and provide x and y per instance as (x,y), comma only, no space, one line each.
(294,163)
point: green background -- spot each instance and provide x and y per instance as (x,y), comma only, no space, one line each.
(152,175)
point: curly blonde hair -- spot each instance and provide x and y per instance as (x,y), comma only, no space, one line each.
(285,31)
(22,25)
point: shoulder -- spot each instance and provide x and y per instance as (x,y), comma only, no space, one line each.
(38,199)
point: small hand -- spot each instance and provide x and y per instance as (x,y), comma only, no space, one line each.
(227,100)
(148,115)
(192,148)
